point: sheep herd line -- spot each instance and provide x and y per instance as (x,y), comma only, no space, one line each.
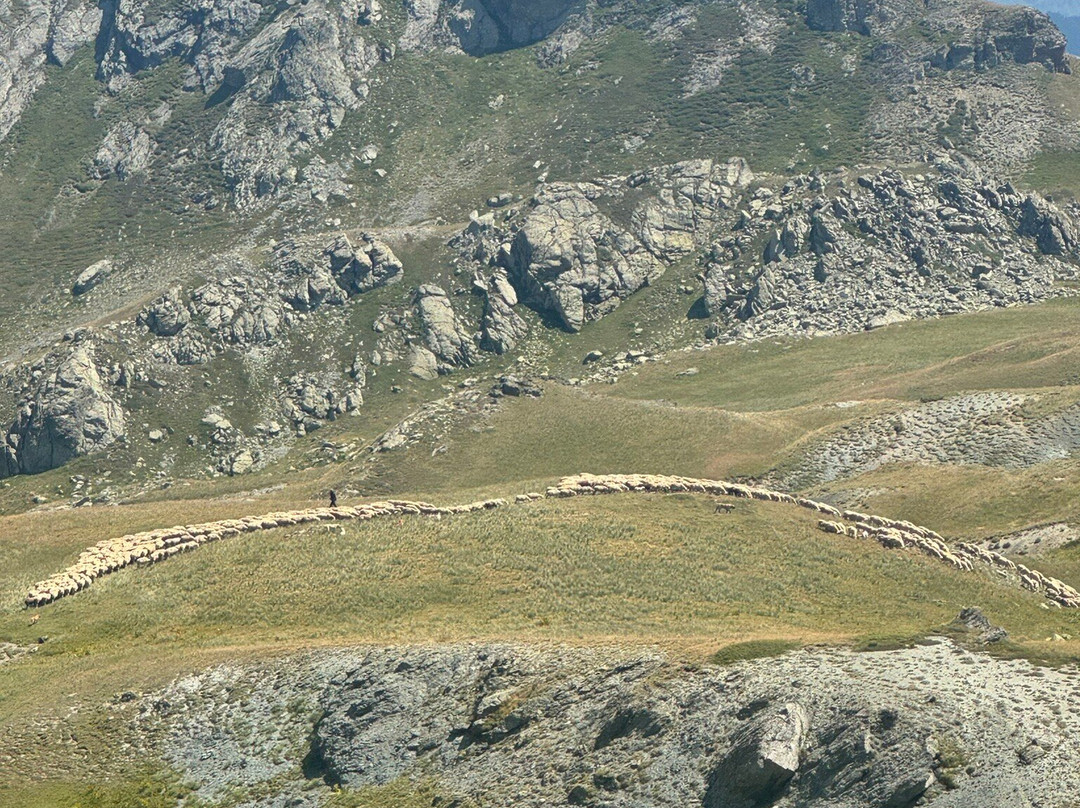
(156,545)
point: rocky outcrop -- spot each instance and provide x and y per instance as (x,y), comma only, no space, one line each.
(368,265)
(70,415)
(980,35)
(311,401)
(126,151)
(839,15)
(444,335)
(573,261)
(133,38)
(570,260)
(259,308)
(972,621)
(167,316)
(821,257)
(502,328)
(514,724)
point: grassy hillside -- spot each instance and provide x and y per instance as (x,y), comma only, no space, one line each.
(648,569)
(638,570)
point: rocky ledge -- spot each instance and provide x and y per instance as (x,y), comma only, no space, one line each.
(525,726)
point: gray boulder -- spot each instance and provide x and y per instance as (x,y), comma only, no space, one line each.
(444,335)
(366,266)
(763,759)
(92,277)
(69,416)
(502,327)
(167,316)
(573,261)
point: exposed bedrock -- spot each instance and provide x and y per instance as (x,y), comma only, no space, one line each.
(530,727)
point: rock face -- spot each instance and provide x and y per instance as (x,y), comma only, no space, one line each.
(486,26)
(571,260)
(765,757)
(514,725)
(444,335)
(70,415)
(980,35)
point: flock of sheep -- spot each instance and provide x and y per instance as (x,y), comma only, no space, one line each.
(157,545)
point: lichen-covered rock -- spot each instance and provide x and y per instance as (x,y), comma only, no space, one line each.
(502,328)
(92,277)
(444,335)
(363,267)
(70,415)
(167,316)
(125,151)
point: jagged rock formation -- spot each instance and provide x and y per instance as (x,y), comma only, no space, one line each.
(69,415)
(980,35)
(513,724)
(360,269)
(892,246)
(567,258)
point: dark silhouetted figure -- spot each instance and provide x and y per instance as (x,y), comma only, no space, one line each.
(333,498)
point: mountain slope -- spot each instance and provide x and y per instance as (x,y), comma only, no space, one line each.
(450,251)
